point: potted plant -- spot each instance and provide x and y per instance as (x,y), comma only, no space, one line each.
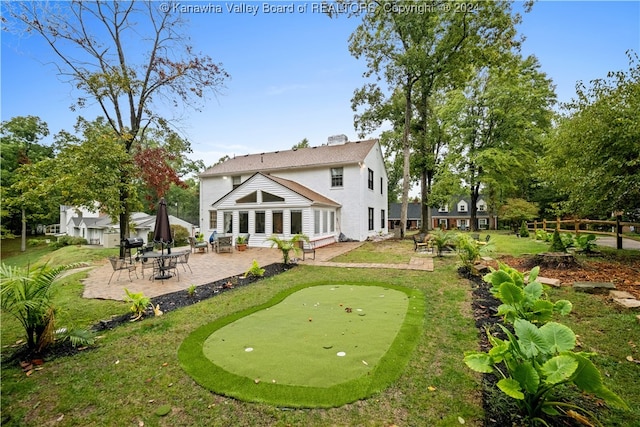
(241,243)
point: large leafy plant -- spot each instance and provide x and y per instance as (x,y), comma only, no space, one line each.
(441,239)
(523,300)
(533,363)
(470,250)
(287,245)
(28,295)
(586,243)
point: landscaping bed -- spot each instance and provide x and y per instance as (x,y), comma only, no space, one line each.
(624,274)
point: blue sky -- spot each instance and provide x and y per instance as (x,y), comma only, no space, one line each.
(292,76)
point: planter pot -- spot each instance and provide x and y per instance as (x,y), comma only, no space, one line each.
(241,247)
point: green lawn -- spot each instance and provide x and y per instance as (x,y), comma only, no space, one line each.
(134,369)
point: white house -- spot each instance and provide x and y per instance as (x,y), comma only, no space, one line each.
(98,229)
(323,192)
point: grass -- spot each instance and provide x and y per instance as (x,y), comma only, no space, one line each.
(135,369)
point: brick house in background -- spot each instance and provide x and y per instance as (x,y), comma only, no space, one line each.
(457,214)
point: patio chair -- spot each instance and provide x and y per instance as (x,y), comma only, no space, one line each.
(184,260)
(198,246)
(166,269)
(225,243)
(119,264)
(307,249)
(420,241)
(146,263)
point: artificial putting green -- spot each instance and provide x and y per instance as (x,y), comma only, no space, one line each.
(316,345)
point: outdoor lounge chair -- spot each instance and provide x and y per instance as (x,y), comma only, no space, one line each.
(120,264)
(198,246)
(225,243)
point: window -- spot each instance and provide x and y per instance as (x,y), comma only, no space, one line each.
(370,219)
(463,224)
(249,198)
(296,222)
(382,219)
(236,181)
(260,221)
(483,223)
(444,208)
(336,177)
(462,206)
(482,207)
(324,221)
(316,222)
(268,197)
(332,221)
(381,186)
(277,222)
(213,220)
(370,180)
(244,222)
(228,222)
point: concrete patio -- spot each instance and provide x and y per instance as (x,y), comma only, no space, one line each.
(210,266)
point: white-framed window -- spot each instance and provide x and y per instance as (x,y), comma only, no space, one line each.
(316,222)
(332,221)
(482,206)
(243,219)
(236,181)
(296,222)
(463,224)
(213,220)
(483,223)
(444,208)
(260,222)
(370,179)
(370,219)
(228,222)
(462,206)
(336,177)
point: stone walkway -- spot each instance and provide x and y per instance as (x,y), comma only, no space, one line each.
(209,267)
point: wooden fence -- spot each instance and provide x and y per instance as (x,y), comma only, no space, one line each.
(581,226)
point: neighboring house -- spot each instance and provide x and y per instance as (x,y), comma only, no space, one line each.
(323,192)
(457,214)
(414,216)
(98,228)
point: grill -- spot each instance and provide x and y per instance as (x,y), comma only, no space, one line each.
(132,242)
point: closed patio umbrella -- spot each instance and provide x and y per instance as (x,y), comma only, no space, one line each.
(162,232)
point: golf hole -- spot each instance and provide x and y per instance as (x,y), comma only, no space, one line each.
(341,354)
(248,349)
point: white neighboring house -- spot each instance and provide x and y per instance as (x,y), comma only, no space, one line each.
(98,228)
(323,192)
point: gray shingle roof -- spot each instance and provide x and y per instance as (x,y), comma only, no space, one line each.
(347,153)
(304,191)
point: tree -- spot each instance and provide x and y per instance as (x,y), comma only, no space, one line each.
(515,211)
(20,148)
(98,49)
(423,51)
(507,113)
(304,143)
(593,158)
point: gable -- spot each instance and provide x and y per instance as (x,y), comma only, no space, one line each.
(263,190)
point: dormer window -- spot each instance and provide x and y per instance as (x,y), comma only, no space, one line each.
(482,207)
(462,206)
(443,209)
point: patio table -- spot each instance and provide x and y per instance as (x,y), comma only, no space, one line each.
(161,262)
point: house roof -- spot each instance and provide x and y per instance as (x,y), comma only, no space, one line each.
(315,198)
(346,153)
(413,211)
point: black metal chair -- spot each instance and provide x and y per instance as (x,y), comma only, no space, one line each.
(184,260)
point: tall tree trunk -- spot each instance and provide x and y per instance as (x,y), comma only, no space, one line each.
(23,240)
(406,151)
(475,194)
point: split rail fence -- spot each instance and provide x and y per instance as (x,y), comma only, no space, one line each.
(582,226)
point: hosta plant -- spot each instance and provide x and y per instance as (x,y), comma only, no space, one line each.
(535,363)
(586,243)
(522,300)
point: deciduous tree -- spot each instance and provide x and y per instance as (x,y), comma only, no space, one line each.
(125,56)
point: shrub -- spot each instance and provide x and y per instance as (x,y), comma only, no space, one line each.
(586,242)
(524,231)
(542,235)
(180,235)
(520,300)
(139,303)
(255,270)
(287,246)
(66,240)
(567,240)
(556,243)
(534,363)
(27,294)
(442,239)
